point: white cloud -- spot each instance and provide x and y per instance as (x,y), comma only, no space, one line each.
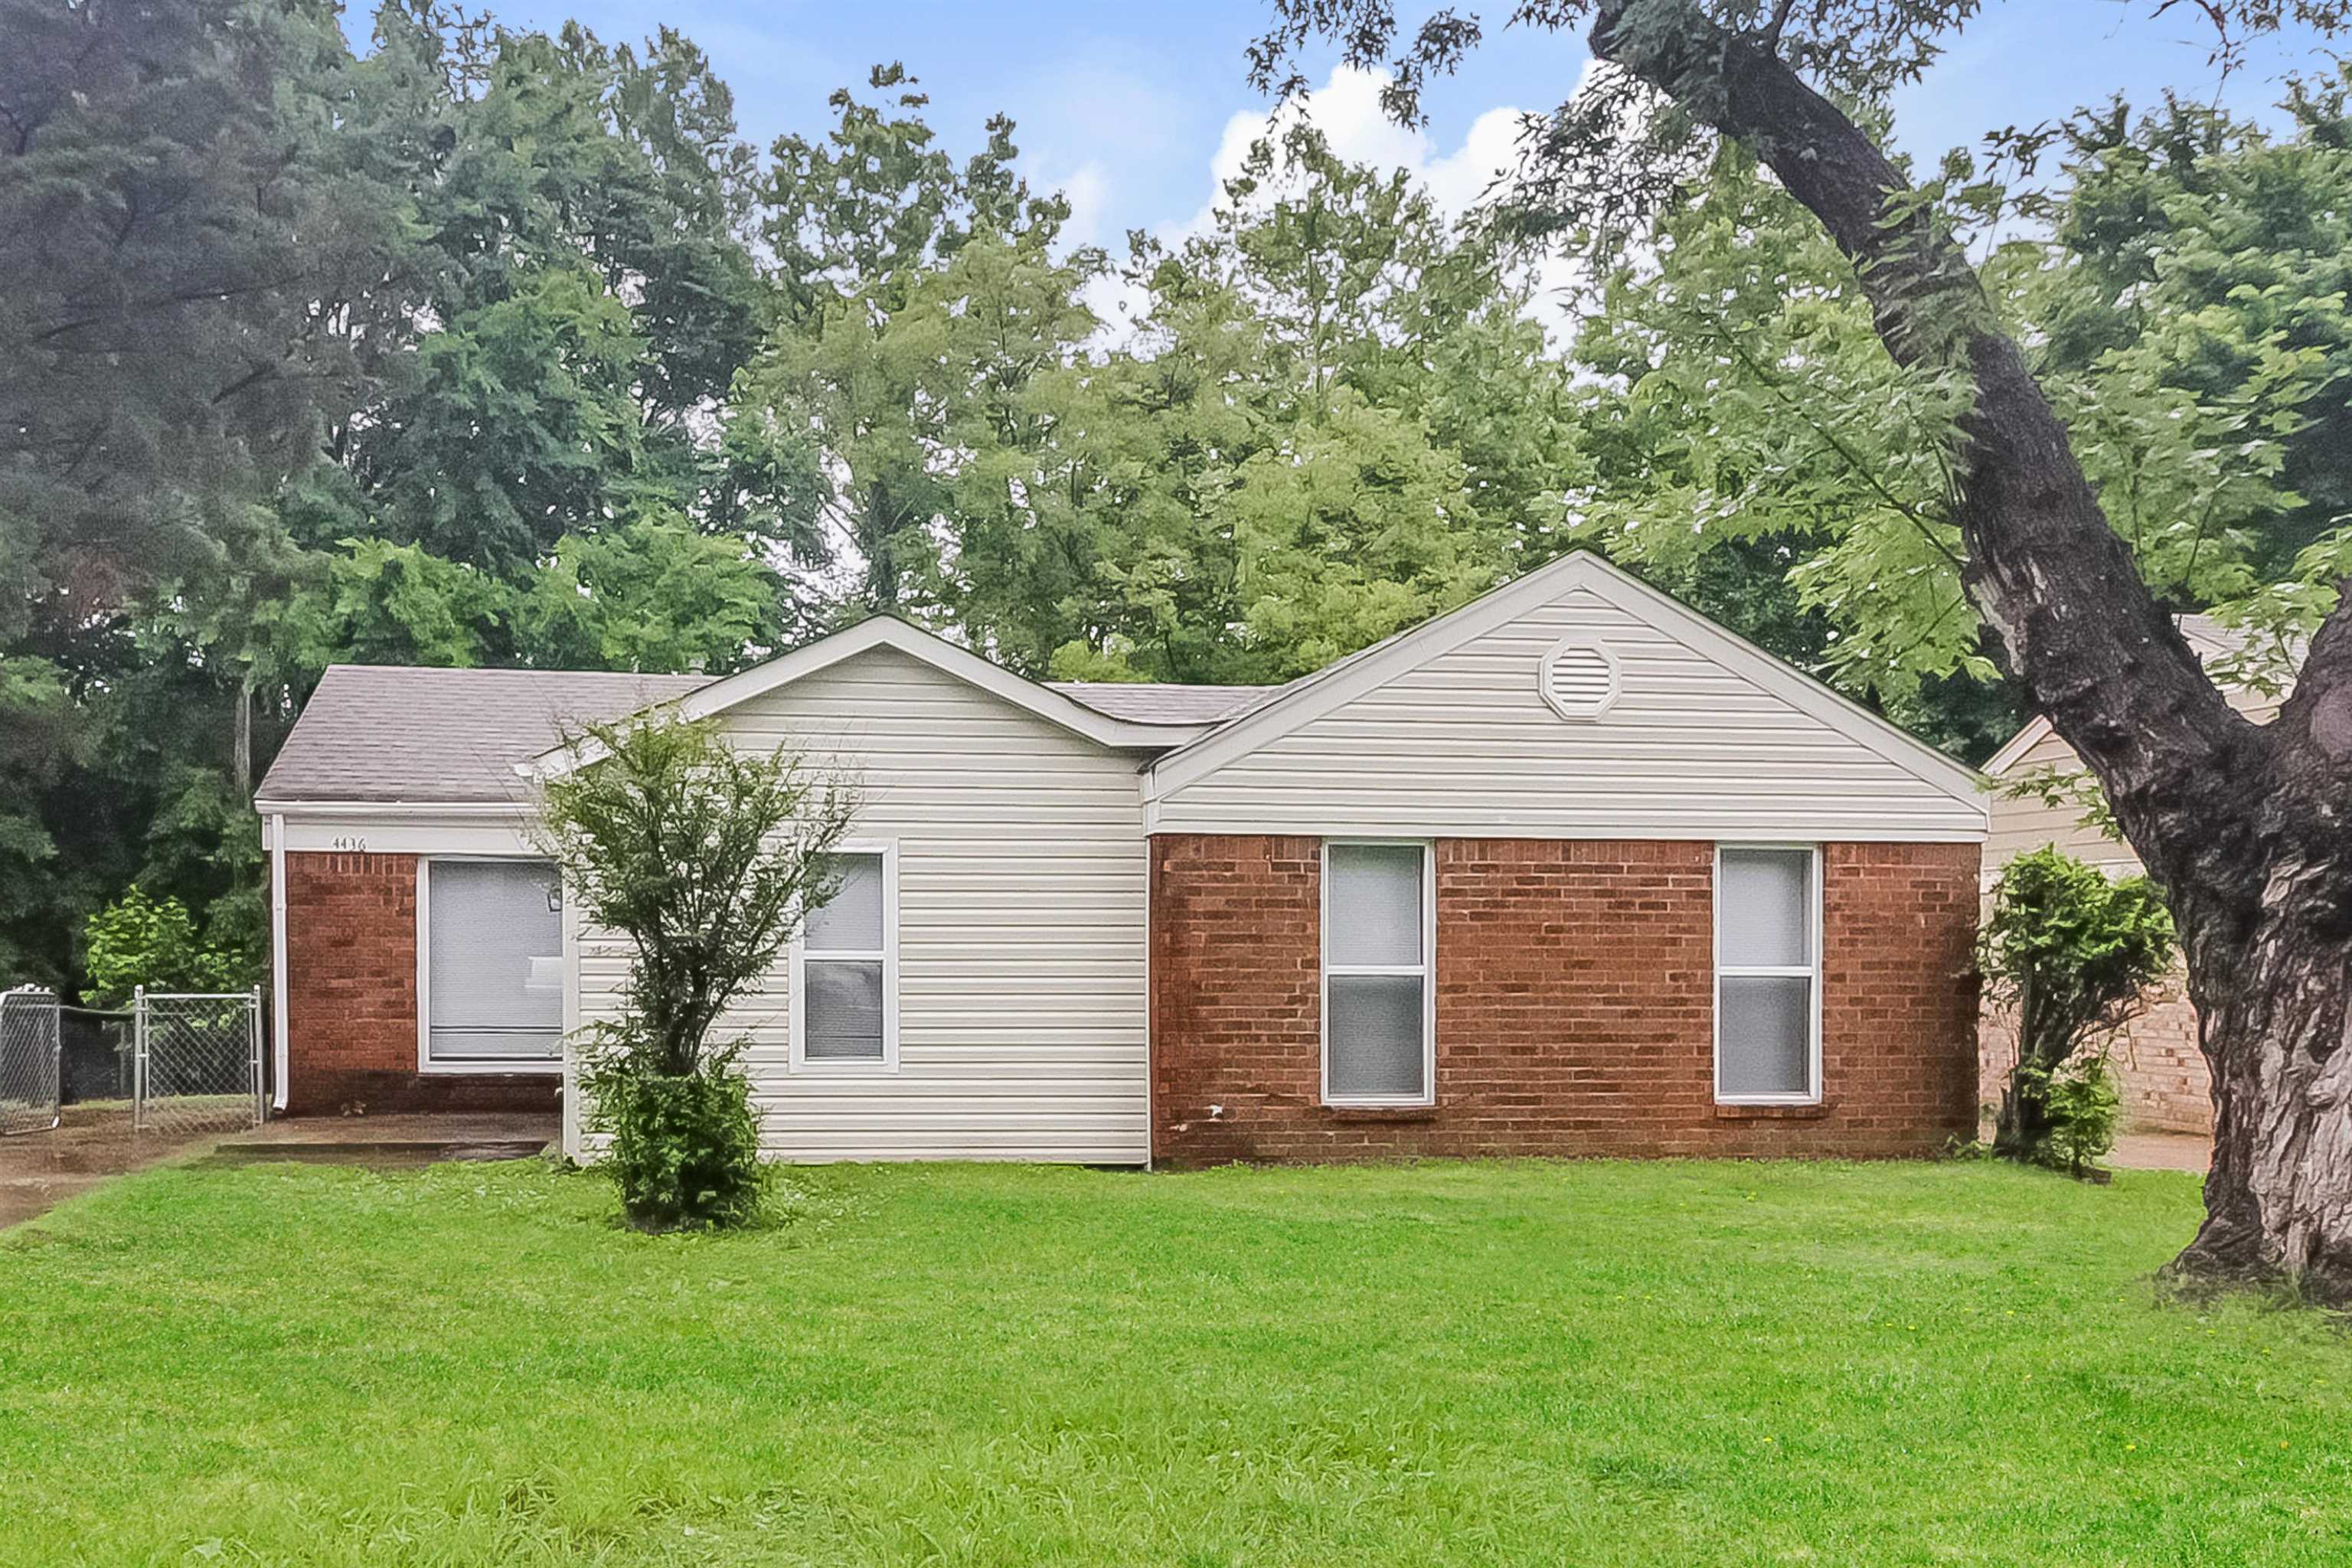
(1088,191)
(1347,110)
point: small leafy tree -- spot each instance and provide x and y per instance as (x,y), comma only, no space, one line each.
(2083,1106)
(139,940)
(2071,951)
(707,858)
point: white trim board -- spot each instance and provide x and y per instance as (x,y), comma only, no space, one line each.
(281,1046)
(2013,752)
(1311,698)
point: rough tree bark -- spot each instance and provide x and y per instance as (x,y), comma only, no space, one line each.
(2244,825)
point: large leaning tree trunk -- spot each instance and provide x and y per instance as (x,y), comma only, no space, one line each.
(2246,826)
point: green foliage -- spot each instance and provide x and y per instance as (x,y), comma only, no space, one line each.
(654,594)
(2083,1105)
(523,422)
(2204,263)
(181,205)
(2069,952)
(685,1149)
(707,858)
(1747,399)
(141,941)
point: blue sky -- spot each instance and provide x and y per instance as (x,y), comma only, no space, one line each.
(1129,104)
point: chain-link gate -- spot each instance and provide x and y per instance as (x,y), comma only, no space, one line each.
(196,1061)
(29,1058)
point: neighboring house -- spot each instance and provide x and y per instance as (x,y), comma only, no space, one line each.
(1570,870)
(2160,1066)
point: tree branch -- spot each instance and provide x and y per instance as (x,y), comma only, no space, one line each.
(2067,612)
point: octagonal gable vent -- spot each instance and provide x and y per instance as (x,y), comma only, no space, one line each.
(1579,679)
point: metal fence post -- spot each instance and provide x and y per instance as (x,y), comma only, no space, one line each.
(137,1058)
(253,1021)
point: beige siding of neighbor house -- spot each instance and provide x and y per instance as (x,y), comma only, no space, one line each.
(2021,823)
(1465,745)
(1023,876)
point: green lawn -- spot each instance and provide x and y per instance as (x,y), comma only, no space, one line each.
(1446,1363)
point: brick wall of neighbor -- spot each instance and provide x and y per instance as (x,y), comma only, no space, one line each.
(351,997)
(1574,1004)
(2161,1073)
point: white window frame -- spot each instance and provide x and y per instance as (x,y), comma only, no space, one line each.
(1813,971)
(553,1065)
(1426,969)
(797,992)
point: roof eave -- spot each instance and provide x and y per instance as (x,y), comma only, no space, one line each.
(901,636)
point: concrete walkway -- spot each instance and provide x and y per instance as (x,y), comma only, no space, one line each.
(2162,1151)
(395,1141)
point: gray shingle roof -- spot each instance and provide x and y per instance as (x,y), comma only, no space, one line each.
(1149,703)
(401,732)
(393,732)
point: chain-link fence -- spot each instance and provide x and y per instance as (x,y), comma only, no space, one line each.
(29,1060)
(196,1061)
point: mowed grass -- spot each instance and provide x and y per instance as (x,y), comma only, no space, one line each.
(1439,1364)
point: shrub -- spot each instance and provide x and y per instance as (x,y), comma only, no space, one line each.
(707,859)
(2083,1106)
(2071,952)
(685,1151)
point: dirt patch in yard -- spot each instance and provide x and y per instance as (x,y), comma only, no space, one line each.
(40,1170)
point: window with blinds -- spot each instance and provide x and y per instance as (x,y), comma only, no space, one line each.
(493,964)
(844,979)
(1767,976)
(1377,1047)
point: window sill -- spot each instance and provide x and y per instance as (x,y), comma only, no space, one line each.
(1380,1112)
(1809,1110)
(492,1069)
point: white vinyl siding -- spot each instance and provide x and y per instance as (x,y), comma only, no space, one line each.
(1466,745)
(1379,924)
(1767,976)
(490,969)
(1022,875)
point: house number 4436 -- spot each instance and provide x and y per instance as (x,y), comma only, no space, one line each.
(354,843)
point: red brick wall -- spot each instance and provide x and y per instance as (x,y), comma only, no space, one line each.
(351,997)
(1574,1004)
